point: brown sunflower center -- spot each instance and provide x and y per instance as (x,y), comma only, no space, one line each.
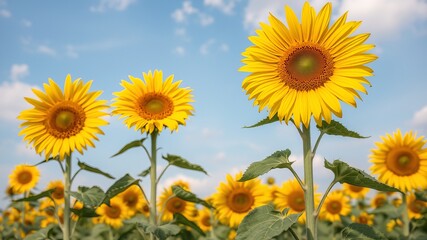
(58,193)
(206,221)
(131,199)
(154,106)
(25,177)
(296,201)
(240,200)
(363,220)
(176,205)
(146,209)
(380,201)
(113,211)
(416,206)
(305,67)
(65,120)
(403,161)
(334,207)
(355,189)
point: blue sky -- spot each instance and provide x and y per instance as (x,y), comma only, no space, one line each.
(200,42)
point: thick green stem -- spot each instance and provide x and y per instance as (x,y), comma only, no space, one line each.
(308,181)
(67,202)
(405,217)
(153,179)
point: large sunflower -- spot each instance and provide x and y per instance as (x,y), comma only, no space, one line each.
(401,161)
(170,204)
(306,68)
(336,204)
(114,214)
(63,121)
(152,103)
(234,199)
(23,178)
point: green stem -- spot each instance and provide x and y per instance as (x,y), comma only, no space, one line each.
(67,189)
(316,214)
(293,234)
(309,187)
(153,181)
(161,174)
(405,217)
(297,177)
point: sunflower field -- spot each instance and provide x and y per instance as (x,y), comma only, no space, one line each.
(299,71)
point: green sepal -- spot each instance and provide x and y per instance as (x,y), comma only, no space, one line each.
(181,219)
(279,159)
(337,129)
(145,172)
(90,197)
(265,121)
(133,144)
(361,231)
(119,186)
(88,168)
(347,174)
(36,197)
(265,223)
(189,196)
(182,163)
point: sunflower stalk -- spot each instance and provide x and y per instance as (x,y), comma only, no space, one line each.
(405,217)
(67,195)
(153,181)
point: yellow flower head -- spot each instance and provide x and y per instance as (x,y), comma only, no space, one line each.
(335,205)
(401,161)
(305,69)
(63,121)
(355,192)
(58,194)
(415,207)
(233,200)
(152,104)
(169,204)
(379,200)
(114,214)
(133,198)
(392,224)
(363,218)
(204,219)
(23,178)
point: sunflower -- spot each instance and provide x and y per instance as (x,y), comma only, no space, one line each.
(234,199)
(415,207)
(401,161)
(392,224)
(204,219)
(114,214)
(63,121)
(23,178)
(379,200)
(170,204)
(363,218)
(355,192)
(58,193)
(306,68)
(291,195)
(133,198)
(335,205)
(152,103)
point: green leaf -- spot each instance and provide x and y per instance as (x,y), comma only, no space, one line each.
(90,197)
(179,218)
(422,196)
(389,210)
(164,231)
(265,223)
(279,159)
(361,231)
(34,198)
(85,212)
(119,186)
(133,144)
(88,168)
(41,234)
(48,160)
(189,196)
(182,163)
(347,174)
(145,172)
(337,129)
(265,121)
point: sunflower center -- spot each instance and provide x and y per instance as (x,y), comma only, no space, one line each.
(146,209)
(130,199)
(296,201)
(334,207)
(355,189)
(113,212)
(65,120)
(305,67)
(379,202)
(416,206)
(240,201)
(402,161)
(58,193)
(175,205)
(363,220)
(154,106)
(206,221)
(25,177)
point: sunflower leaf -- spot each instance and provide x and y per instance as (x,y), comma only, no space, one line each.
(34,198)
(145,172)
(88,168)
(48,160)
(279,159)
(347,174)
(265,121)
(164,231)
(182,163)
(119,186)
(90,197)
(422,196)
(180,219)
(133,144)
(44,233)
(265,223)
(361,231)
(85,212)
(189,196)
(337,129)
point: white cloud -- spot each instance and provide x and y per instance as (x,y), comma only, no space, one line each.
(224,47)
(46,50)
(12,101)
(179,50)
(26,23)
(182,14)
(419,120)
(204,49)
(226,6)
(19,71)
(118,5)
(205,19)
(182,32)
(210,133)
(25,150)
(71,51)
(5,13)
(257,11)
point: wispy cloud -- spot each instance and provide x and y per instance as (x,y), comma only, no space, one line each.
(181,15)
(43,49)
(26,23)
(117,5)
(205,47)
(5,13)
(19,71)
(12,101)
(179,50)
(419,119)
(225,6)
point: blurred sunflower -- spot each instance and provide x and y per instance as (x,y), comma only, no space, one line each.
(392,224)
(77,205)
(133,198)
(401,161)
(379,200)
(23,178)
(58,194)
(306,68)
(114,214)
(291,195)
(204,219)
(233,199)
(336,204)
(355,192)
(63,121)
(152,103)
(363,218)
(415,206)
(169,204)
